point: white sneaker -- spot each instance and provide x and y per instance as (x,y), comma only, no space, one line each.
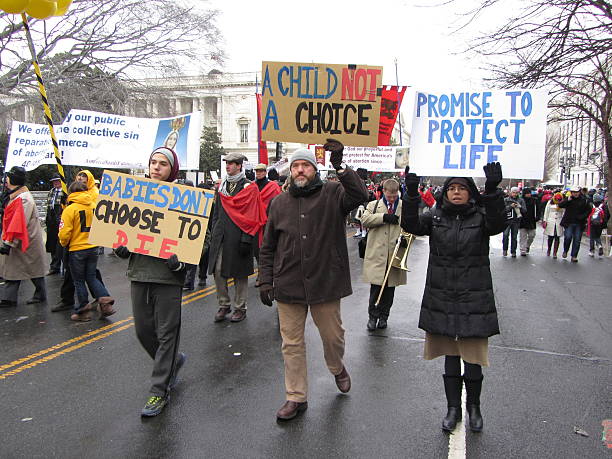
(591,253)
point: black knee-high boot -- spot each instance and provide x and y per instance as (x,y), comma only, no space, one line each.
(452,387)
(473,388)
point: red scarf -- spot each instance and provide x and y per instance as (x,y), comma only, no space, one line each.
(268,192)
(246,210)
(14,225)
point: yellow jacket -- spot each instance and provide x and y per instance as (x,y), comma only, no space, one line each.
(76,221)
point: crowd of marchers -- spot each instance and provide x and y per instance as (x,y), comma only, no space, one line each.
(295,228)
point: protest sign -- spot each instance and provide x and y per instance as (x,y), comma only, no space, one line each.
(456,133)
(308,103)
(374,159)
(151,217)
(94,139)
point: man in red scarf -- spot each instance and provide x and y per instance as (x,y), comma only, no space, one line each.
(237,217)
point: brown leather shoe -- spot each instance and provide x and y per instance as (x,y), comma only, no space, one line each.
(238,315)
(81,317)
(343,381)
(221,313)
(291,409)
(105,306)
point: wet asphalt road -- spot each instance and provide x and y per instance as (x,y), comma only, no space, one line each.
(76,390)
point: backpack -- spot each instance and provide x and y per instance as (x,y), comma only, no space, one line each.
(596,217)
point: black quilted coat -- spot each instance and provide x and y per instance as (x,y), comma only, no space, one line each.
(458,300)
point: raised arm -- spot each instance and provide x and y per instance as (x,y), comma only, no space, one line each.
(355,192)
(411,221)
(493,200)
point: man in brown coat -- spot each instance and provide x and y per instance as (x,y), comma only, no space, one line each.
(304,264)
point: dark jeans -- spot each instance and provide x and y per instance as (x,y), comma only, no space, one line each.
(572,236)
(595,237)
(56,258)
(67,288)
(190,271)
(510,231)
(83,268)
(386,301)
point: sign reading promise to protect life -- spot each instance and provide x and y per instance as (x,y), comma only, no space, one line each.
(151,217)
(456,133)
(309,103)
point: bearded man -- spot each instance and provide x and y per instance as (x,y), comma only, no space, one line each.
(304,265)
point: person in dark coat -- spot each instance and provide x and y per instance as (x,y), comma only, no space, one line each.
(527,224)
(304,265)
(515,208)
(577,210)
(458,308)
(56,200)
(231,248)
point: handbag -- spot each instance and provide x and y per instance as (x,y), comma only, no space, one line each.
(363,242)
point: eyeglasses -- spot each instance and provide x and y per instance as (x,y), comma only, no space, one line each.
(457,188)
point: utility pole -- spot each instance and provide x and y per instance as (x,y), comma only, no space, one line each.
(399,115)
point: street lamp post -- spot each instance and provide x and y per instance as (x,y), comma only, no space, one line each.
(566,162)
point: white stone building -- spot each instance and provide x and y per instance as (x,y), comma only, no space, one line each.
(227,101)
(582,154)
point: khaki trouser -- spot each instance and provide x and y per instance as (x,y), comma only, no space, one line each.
(292,319)
(240,284)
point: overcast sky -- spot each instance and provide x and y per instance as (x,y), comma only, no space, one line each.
(353,32)
(419,34)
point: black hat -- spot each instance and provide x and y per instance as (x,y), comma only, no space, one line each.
(17,175)
(54,178)
(273,174)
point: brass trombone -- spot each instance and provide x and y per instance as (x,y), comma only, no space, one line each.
(399,259)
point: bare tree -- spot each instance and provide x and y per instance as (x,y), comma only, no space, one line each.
(101,43)
(562,45)
(551,157)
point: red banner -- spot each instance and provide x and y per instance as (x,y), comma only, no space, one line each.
(389,108)
(262,147)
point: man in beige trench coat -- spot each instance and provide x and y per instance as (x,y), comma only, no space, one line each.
(382,218)
(22,250)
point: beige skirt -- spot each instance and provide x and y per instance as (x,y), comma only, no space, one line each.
(471,350)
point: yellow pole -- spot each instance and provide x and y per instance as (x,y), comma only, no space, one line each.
(43,96)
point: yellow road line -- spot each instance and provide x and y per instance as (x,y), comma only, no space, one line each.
(112,329)
(63,351)
(65,343)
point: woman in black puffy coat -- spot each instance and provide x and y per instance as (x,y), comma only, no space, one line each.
(458,308)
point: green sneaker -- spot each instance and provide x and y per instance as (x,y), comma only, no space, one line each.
(154,406)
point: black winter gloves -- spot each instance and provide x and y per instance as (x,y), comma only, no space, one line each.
(335,148)
(122,252)
(392,219)
(412,183)
(173,263)
(266,294)
(493,172)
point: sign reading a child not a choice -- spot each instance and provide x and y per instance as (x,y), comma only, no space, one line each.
(308,103)
(150,217)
